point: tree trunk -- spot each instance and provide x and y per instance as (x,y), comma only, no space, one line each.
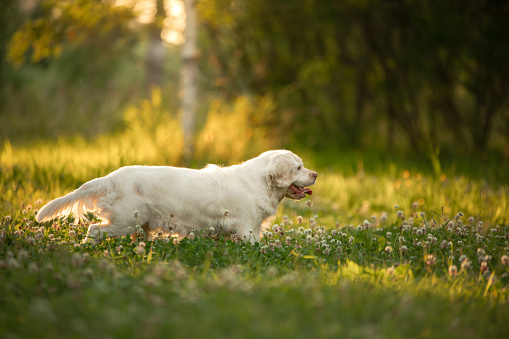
(189,87)
(156,52)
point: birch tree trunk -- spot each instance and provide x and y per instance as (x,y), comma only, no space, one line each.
(156,51)
(189,85)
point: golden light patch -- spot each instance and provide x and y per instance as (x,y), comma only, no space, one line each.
(397,184)
(406,174)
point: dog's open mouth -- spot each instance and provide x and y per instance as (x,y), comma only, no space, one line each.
(296,192)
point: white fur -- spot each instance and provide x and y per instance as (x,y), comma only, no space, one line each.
(181,200)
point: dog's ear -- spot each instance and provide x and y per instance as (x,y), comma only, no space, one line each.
(280,170)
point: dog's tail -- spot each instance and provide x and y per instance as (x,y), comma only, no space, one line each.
(78,202)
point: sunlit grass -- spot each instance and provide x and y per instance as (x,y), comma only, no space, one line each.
(394,253)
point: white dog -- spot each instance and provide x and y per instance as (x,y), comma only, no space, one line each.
(236,199)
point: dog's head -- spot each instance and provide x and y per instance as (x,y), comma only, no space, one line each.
(285,170)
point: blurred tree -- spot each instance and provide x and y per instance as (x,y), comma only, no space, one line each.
(79,22)
(359,73)
(353,73)
(190,55)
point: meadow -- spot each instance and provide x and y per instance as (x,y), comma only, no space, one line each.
(394,251)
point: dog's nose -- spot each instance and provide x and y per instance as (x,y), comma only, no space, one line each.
(314,175)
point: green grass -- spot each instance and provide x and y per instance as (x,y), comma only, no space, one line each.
(331,275)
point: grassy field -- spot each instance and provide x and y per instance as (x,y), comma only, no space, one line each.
(398,252)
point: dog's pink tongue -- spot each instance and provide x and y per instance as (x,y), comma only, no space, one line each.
(308,191)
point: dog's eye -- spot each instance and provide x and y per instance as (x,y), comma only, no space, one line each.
(299,168)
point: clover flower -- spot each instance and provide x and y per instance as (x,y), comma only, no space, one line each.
(431,259)
(484,267)
(226,213)
(453,270)
(300,219)
(309,203)
(466,263)
(505,260)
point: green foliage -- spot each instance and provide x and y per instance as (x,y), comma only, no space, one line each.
(295,282)
(320,270)
(391,76)
(373,74)
(72,21)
